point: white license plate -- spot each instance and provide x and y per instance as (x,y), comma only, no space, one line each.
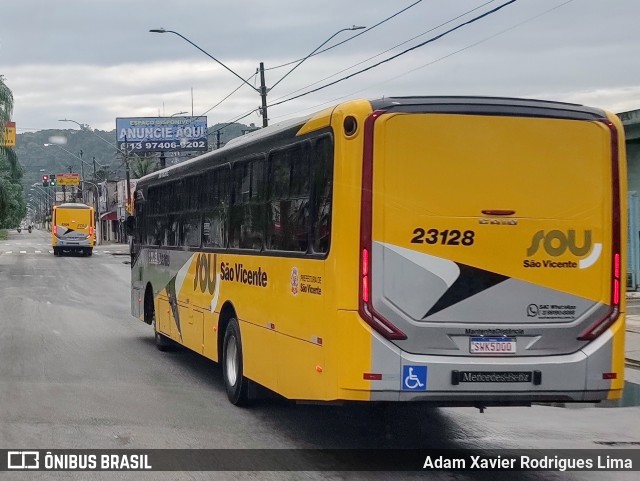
(492,345)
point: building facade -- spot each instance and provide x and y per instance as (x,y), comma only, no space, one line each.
(631,122)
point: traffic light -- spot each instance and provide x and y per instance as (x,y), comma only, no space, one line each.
(45,181)
(52,180)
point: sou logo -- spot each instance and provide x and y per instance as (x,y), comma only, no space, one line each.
(555,243)
(205,275)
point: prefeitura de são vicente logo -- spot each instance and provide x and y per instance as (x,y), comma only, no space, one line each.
(295,281)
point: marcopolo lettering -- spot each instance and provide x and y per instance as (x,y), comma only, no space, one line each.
(556,243)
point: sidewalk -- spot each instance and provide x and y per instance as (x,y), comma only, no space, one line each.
(112,244)
(632,345)
(632,342)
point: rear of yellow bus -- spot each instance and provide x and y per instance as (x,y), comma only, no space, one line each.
(492,252)
(73,229)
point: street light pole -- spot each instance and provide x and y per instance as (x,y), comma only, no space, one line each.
(82,162)
(79,158)
(86,127)
(96,202)
(263,90)
(354,27)
(128,175)
(48,199)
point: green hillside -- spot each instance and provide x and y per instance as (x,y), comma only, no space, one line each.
(33,155)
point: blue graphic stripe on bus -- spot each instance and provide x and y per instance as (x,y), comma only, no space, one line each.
(414,378)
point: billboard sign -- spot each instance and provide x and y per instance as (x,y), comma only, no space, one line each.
(68,179)
(162,134)
(8,134)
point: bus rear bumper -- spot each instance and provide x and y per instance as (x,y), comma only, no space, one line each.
(70,245)
(583,376)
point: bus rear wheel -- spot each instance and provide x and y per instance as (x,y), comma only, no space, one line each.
(235,383)
(162,342)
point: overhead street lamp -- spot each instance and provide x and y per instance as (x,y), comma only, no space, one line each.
(263,90)
(80,159)
(87,127)
(96,212)
(74,155)
(179,113)
(354,27)
(41,190)
(124,152)
(48,200)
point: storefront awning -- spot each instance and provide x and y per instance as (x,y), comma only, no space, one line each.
(113,215)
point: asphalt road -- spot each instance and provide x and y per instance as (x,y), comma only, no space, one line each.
(77,371)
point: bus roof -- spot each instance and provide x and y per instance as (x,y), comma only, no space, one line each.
(489,105)
(434,104)
(70,205)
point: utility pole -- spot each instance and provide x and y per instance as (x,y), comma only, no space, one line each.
(163,160)
(263,96)
(126,163)
(218,143)
(81,174)
(94,169)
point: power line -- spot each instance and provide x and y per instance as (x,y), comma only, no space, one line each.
(350,38)
(387,50)
(393,57)
(231,122)
(485,39)
(225,98)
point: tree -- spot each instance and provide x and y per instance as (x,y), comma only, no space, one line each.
(6,108)
(142,166)
(6,101)
(12,203)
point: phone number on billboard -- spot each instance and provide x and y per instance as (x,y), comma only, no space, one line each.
(197,144)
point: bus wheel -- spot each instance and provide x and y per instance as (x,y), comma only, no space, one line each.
(236,384)
(162,342)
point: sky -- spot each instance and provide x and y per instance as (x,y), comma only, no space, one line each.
(95,60)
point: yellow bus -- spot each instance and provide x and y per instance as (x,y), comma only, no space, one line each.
(460,251)
(73,229)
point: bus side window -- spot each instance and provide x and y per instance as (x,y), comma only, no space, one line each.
(216,208)
(246,224)
(191,232)
(288,206)
(322,164)
(171,231)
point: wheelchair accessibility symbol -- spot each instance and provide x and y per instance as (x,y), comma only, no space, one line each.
(414,378)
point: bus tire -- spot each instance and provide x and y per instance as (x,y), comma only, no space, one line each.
(163,343)
(236,385)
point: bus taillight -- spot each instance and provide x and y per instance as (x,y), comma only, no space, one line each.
(367,312)
(597,328)
(91,230)
(365,275)
(55,230)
